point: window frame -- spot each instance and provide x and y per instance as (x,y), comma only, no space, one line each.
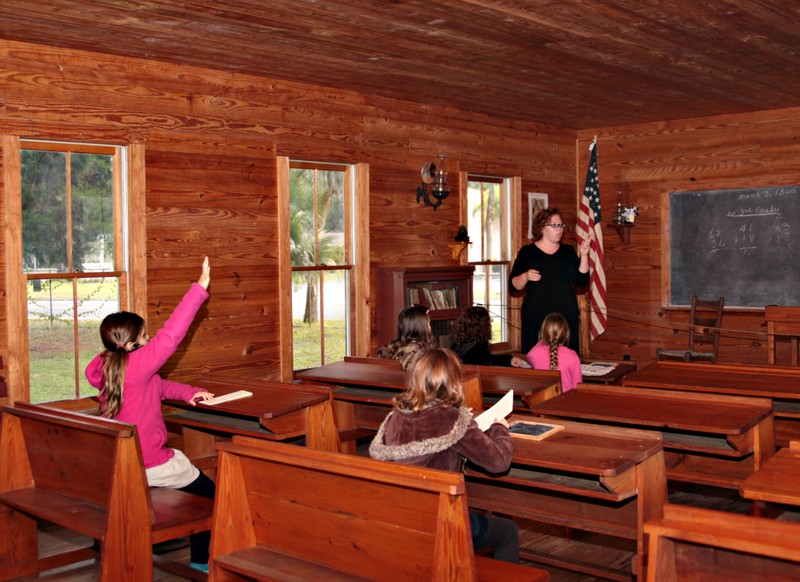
(127,160)
(508,187)
(356,257)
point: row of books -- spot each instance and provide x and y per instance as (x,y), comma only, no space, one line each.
(434,298)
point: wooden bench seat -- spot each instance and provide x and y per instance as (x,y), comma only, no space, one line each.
(293,513)
(690,543)
(85,473)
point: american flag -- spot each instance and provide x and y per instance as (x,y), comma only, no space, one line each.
(589,222)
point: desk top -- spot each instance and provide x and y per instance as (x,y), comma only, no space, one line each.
(383,373)
(614,375)
(776,480)
(586,448)
(523,381)
(269,399)
(742,380)
(706,413)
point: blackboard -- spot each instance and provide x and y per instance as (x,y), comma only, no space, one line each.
(740,244)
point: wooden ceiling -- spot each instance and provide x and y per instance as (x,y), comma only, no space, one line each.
(573,63)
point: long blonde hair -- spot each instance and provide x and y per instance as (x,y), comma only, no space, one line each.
(120,333)
(433,374)
(555,333)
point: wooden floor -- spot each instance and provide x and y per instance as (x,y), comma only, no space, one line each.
(610,552)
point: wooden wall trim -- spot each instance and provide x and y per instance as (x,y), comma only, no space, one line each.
(361,276)
(137,230)
(18,378)
(284,271)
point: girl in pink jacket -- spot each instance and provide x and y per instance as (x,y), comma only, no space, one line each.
(131,390)
(551,351)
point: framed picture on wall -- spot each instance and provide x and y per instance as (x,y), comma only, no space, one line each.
(536,202)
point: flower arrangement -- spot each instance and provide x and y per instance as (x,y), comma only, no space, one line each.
(625,215)
(630,214)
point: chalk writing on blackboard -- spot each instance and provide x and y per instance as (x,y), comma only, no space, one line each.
(740,244)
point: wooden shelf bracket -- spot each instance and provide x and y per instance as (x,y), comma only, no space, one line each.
(456,248)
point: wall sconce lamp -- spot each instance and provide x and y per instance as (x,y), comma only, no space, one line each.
(435,175)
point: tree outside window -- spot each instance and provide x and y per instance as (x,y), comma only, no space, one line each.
(321,262)
(72,259)
(488,227)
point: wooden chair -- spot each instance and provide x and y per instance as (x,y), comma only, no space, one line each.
(690,544)
(293,513)
(85,473)
(705,318)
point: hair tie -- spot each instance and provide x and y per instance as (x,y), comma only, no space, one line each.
(120,346)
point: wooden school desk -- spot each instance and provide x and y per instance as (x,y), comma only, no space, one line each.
(375,380)
(363,390)
(617,371)
(589,477)
(778,480)
(276,411)
(709,439)
(780,383)
(529,386)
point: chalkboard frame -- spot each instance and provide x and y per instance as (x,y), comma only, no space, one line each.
(707,210)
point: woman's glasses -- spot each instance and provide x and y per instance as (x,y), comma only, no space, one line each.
(556,225)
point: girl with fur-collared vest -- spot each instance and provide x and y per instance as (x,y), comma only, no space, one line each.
(429,427)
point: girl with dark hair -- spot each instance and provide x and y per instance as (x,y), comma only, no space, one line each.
(131,390)
(472,333)
(413,334)
(430,427)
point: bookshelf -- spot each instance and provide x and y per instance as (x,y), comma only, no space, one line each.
(446,291)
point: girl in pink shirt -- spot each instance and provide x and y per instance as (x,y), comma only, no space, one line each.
(551,351)
(131,390)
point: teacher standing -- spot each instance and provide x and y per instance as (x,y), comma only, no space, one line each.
(546,271)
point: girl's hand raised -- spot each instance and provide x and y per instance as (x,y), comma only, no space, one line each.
(205,276)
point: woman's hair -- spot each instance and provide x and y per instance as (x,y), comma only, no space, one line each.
(542,217)
(120,333)
(413,324)
(555,332)
(433,374)
(473,327)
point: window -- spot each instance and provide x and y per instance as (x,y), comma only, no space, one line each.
(72,259)
(322,261)
(488,227)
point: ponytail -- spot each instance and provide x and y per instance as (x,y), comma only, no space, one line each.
(120,333)
(553,355)
(555,333)
(114,365)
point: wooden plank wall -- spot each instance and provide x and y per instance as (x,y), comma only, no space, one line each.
(211,141)
(652,160)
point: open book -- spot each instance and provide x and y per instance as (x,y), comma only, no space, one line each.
(597,368)
(500,409)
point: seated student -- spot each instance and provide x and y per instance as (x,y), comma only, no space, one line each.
(430,427)
(551,351)
(472,333)
(413,333)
